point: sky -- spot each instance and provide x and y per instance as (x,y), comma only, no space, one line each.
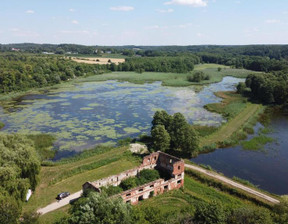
(144,22)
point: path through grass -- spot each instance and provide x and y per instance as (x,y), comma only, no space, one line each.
(45,193)
(233,125)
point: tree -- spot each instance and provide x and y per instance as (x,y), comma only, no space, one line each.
(98,208)
(241,87)
(178,130)
(161,138)
(246,215)
(162,118)
(9,209)
(190,142)
(210,213)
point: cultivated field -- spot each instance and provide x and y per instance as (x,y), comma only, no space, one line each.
(100,61)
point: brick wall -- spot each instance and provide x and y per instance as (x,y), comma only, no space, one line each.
(158,160)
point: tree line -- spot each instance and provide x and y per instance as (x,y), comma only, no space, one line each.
(20,72)
(266,88)
(181,64)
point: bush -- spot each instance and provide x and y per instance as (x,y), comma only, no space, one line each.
(198,77)
(128,183)
(112,190)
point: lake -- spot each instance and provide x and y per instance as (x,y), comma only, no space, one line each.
(85,114)
(266,168)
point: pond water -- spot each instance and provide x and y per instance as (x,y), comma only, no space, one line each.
(266,168)
(89,113)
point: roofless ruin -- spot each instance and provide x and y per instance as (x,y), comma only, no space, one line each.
(173,168)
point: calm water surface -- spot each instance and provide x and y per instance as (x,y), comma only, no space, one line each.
(266,168)
(86,114)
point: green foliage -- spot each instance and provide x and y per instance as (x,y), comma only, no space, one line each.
(111,190)
(128,183)
(198,76)
(281,211)
(30,218)
(19,169)
(182,135)
(124,141)
(178,64)
(2,125)
(248,215)
(21,72)
(145,176)
(242,181)
(19,164)
(97,208)
(204,130)
(210,213)
(10,210)
(256,142)
(241,87)
(161,138)
(269,88)
(43,144)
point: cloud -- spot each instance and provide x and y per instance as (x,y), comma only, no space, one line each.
(183,26)
(272,21)
(156,27)
(30,11)
(72,10)
(122,8)
(75,32)
(165,10)
(193,3)
(200,35)
(75,22)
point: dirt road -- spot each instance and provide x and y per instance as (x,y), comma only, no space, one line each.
(233,183)
(59,204)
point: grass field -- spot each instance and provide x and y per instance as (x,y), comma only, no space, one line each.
(54,179)
(173,79)
(239,113)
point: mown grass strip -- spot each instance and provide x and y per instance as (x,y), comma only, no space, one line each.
(84,168)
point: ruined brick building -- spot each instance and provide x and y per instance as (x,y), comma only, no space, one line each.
(172,166)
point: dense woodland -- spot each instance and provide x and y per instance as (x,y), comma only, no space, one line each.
(19,170)
(20,72)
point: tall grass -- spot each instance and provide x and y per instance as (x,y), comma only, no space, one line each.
(1,125)
(43,144)
(257,142)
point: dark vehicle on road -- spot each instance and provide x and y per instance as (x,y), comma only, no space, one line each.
(62,195)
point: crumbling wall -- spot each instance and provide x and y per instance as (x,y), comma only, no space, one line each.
(159,160)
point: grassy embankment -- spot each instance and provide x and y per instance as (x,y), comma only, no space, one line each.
(173,79)
(241,116)
(70,174)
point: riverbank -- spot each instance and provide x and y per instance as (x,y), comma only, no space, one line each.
(174,79)
(241,117)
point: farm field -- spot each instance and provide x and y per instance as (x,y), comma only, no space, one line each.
(98,60)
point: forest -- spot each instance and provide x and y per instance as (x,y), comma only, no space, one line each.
(19,72)
(19,170)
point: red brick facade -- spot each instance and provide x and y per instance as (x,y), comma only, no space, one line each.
(157,160)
